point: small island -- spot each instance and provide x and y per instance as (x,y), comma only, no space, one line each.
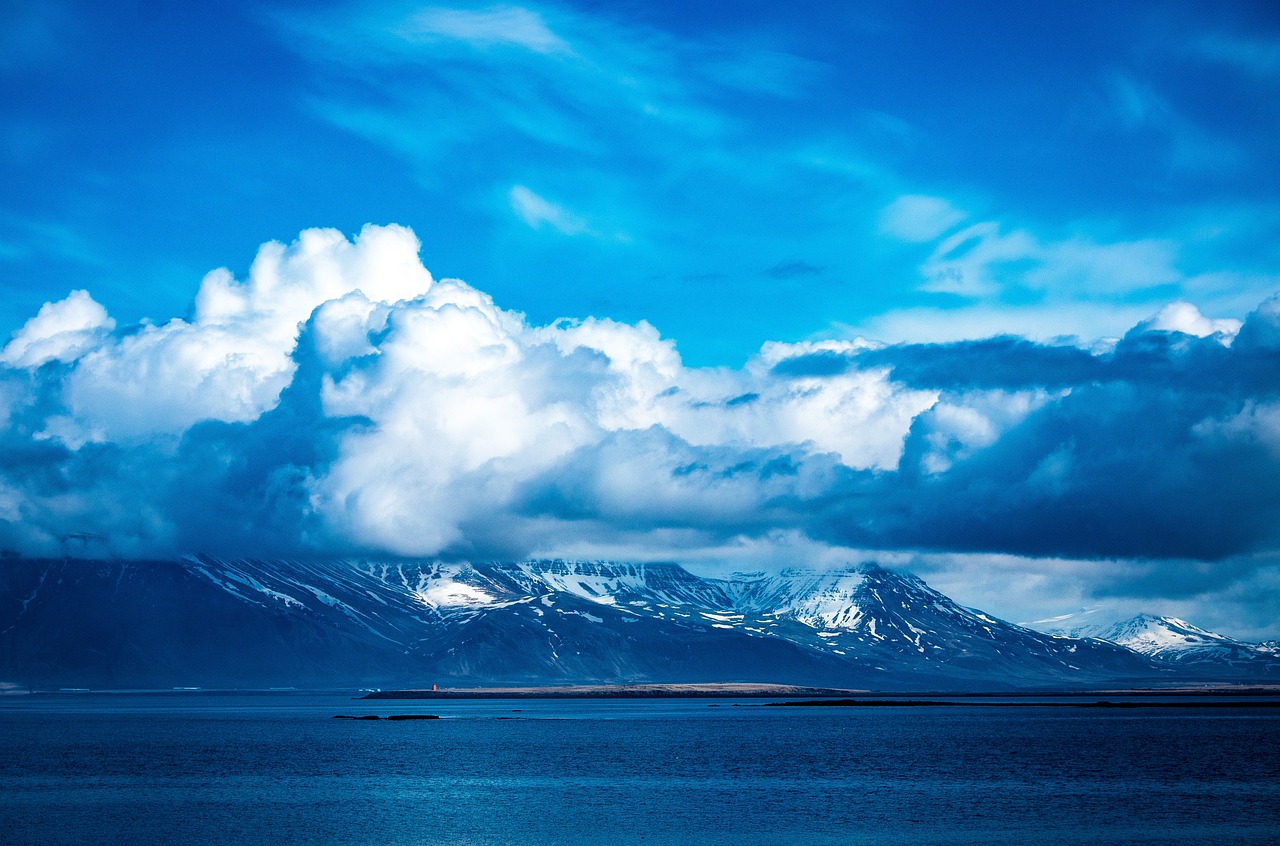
(393,717)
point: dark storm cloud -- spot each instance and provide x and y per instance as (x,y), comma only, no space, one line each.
(1166,447)
(1003,363)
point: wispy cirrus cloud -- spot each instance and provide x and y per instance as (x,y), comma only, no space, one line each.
(918,218)
(640,135)
(984,258)
(538,211)
(494,26)
(1186,145)
(1009,277)
(604,125)
(1253,54)
(578,82)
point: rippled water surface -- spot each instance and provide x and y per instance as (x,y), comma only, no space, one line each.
(237,769)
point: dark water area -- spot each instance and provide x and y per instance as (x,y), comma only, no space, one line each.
(277,769)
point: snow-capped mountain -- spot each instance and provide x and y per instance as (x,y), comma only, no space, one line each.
(207,621)
(1171,641)
(888,619)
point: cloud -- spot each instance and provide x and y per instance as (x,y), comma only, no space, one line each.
(1185,141)
(1182,316)
(232,360)
(61,331)
(918,218)
(1147,454)
(341,400)
(1257,56)
(967,262)
(1137,105)
(1235,597)
(1004,362)
(1078,321)
(574,90)
(794,269)
(537,211)
(498,25)
(583,121)
(1085,265)
(982,259)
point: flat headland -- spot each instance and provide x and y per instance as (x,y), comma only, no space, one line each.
(1197,702)
(827,695)
(728,690)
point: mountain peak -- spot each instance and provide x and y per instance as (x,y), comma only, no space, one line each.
(860,625)
(1166,638)
(1158,631)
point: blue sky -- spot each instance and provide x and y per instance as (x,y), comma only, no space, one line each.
(983,290)
(728,172)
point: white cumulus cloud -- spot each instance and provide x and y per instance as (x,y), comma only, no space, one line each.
(430,416)
(340,400)
(1182,316)
(231,361)
(60,331)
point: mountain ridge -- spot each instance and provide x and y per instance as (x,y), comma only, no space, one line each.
(1169,639)
(207,621)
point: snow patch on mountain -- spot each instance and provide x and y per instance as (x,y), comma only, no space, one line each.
(1162,637)
(539,621)
(446,593)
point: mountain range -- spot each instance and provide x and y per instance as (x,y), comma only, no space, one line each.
(1173,641)
(209,622)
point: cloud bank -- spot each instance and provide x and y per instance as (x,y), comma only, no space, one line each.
(340,400)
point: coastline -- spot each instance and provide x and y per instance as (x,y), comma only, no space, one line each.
(727,690)
(820,694)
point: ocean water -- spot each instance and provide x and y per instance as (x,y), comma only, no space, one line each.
(277,769)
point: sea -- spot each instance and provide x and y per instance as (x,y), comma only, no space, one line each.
(188,767)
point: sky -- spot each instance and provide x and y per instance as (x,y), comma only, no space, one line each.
(985,291)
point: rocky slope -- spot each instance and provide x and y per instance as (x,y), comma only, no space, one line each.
(201,621)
